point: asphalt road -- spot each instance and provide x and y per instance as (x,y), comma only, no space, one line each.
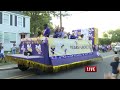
(77,73)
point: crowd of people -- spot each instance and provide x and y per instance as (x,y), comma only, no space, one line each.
(104,48)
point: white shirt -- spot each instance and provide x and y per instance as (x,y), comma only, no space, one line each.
(2,51)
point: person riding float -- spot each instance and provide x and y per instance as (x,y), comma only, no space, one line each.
(46,32)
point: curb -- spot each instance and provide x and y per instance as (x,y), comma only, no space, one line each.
(8,68)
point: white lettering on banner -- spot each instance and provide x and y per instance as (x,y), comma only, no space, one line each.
(63,47)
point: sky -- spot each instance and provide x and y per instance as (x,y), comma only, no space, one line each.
(103,20)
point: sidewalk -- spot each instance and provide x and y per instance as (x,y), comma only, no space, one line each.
(8,67)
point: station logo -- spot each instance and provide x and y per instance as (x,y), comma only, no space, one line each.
(90,69)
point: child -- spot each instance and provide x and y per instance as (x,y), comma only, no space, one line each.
(115,65)
(14,49)
(2,53)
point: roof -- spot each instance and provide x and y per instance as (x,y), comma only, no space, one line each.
(18,12)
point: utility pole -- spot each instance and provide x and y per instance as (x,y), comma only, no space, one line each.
(60,19)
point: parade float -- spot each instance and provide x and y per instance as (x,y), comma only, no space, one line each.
(56,54)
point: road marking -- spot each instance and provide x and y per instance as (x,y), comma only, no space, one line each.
(28,74)
(18,76)
(24,76)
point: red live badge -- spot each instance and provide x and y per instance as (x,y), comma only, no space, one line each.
(90,69)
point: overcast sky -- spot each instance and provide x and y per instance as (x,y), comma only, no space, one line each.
(103,20)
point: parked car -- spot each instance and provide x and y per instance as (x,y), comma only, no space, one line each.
(116,48)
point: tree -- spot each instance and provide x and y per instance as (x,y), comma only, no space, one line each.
(58,13)
(39,18)
(115,35)
(110,31)
(104,41)
(61,14)
(105,35)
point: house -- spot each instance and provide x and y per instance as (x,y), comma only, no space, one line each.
(13,26)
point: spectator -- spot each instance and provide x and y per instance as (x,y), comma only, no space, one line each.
(0,46)
(110,47)
(103,48)
(2,53)
(115,65)
(100,47)
(46,32)
(14,49)
(72,36)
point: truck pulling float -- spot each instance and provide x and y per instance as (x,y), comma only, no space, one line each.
(56,54)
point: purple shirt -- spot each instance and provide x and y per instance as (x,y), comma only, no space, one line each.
(46,32)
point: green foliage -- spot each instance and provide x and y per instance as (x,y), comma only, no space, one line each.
(115,35)
(39,18)
(110,31)
(105,35)
(104,41)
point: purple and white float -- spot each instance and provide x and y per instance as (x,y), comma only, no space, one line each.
(56,54)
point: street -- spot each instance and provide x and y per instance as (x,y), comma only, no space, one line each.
(77,73)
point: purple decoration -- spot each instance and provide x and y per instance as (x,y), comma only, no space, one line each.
(73,59)
(91,35)
(34,52)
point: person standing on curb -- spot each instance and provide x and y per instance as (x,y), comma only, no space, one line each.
(14,49)
(2,53)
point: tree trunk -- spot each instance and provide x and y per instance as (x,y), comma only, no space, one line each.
(60,19)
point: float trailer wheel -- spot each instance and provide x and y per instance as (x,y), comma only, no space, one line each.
(22,67)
